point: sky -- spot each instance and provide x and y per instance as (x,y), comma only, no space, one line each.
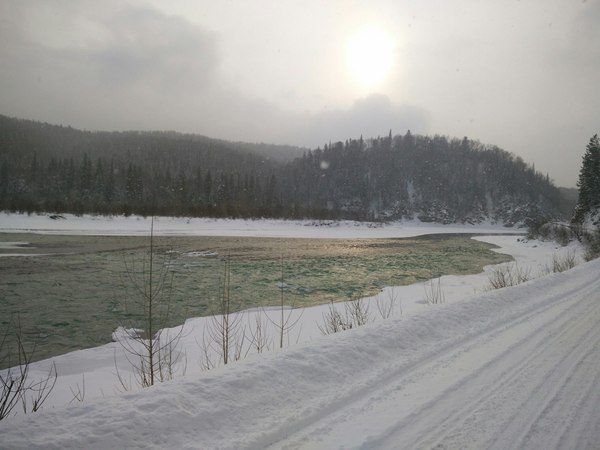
(522,75)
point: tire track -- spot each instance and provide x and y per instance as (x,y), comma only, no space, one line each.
(495,380)
(439,418)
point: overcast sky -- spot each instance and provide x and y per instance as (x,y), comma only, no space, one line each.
(523,75)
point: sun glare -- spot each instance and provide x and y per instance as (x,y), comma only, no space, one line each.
(369,56)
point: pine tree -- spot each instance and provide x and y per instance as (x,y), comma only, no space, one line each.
(589,181)
(85,175)
(208,197)
(109,186)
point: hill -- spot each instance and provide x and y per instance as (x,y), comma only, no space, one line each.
(54,168)
(435,179)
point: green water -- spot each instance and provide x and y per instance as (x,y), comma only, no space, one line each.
(75,296)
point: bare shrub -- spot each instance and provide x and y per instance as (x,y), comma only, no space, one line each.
(149,348)
(239,344)
(506,275)
(227,339)
(434,293)
(285,324)
(577,230)
(356,314)
(169,357)
(562,233)
(13,381)
(259,337)
(357,310)
(38,392)
(334,321)
(225,331)
(15,384)
(387,305)
(565,262)
(207,361)
(591,240)
(78,392)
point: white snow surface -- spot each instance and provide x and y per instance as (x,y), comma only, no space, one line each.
(513,368)
(136,225)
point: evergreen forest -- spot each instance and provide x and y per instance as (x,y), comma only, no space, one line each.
(57,169)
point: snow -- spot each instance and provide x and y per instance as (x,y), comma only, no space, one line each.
(513,368)
(136,225)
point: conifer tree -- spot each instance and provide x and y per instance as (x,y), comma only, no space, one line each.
(589,181)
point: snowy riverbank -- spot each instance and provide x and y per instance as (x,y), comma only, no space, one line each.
(136,225)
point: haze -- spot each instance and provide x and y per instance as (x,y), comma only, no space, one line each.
(522,75)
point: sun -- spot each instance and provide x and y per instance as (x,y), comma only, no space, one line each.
(369,56)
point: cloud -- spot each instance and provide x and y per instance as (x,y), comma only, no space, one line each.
(371,116)
(145,46)
(585,33)
(96,66)
(121,66)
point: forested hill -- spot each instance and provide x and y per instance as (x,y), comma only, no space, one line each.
(59,169)
(433,178)
(54,168)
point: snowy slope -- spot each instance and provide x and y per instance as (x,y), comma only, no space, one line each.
(513,368)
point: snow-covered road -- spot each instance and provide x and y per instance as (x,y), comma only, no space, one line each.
(524,380)
(513,368)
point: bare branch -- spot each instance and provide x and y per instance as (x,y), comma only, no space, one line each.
(14,381)
(149,349)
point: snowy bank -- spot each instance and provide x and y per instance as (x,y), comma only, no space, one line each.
(166,226)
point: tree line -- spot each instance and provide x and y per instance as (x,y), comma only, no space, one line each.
(434,178)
